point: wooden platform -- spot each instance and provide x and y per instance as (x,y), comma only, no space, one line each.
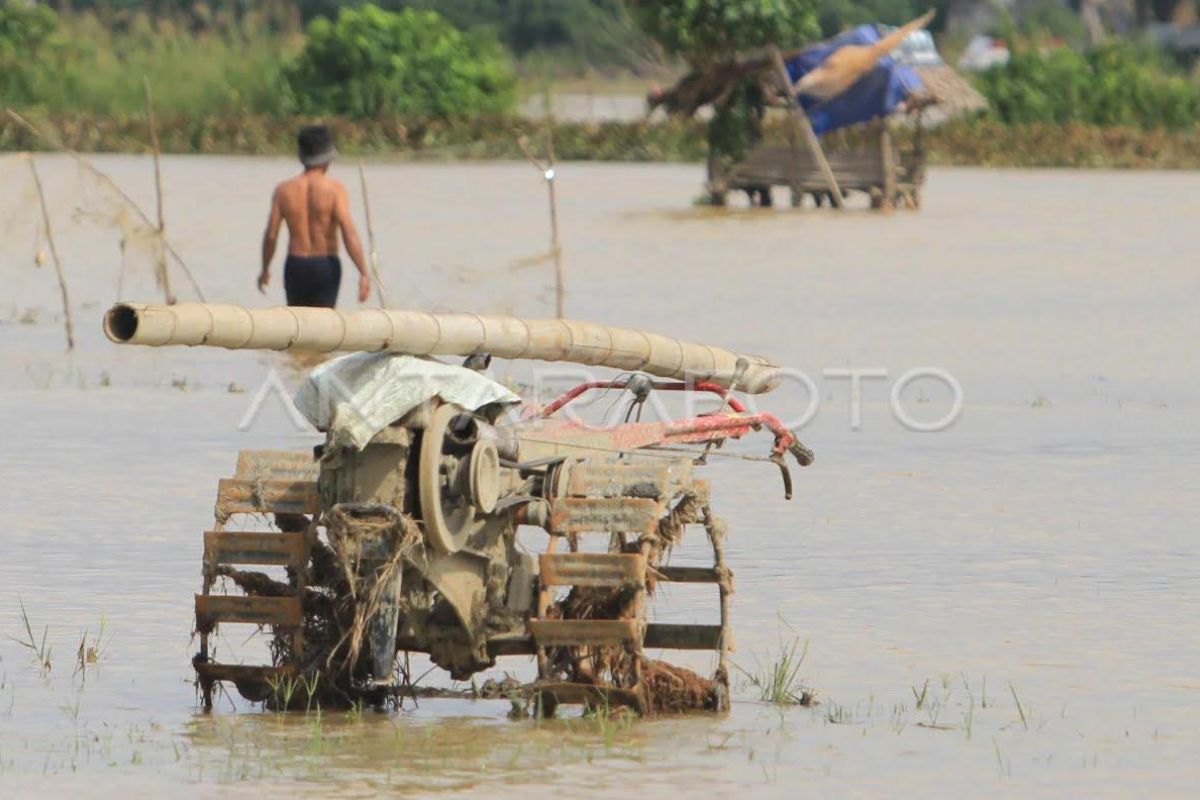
(874,166)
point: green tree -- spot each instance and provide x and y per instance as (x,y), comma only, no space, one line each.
(708,35)
(373,62)
(24,33)
(712,31)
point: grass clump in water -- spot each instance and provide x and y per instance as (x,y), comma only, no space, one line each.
(777,679)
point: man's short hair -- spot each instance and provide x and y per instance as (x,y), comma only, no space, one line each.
(315,144)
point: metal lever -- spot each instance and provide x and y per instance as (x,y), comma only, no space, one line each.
(786,474)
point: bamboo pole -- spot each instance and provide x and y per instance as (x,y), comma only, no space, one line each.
(160,255)
(549,174)
(58,270)
(374,257)
(425,333)
(555,243)
(109,182)
(801,119)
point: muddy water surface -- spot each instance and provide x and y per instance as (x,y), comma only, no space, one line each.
(1007,607)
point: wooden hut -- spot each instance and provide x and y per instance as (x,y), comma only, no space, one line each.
(865,157)
(883,158)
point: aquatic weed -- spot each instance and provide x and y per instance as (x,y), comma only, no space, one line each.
(38,649)
(1020,708)
(316,734)
(778,681)
(838,714)
(1004,766)
(91,651)
(920,696)
(282,691)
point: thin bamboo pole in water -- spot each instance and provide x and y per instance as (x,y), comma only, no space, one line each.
(555,242)
(58,270)
(160,253)
(549,174)
(374,256)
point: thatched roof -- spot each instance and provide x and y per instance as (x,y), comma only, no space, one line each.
(952,94)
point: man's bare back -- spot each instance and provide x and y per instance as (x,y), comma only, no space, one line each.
(309,205)
(315,208)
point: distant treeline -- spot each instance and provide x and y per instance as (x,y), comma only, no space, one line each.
(596,31)
(256,61)
(599,32)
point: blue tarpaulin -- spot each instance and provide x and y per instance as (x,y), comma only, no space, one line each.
(876,94)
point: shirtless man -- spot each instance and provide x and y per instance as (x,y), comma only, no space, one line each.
(315,208)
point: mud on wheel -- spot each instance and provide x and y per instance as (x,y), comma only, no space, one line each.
(592,640)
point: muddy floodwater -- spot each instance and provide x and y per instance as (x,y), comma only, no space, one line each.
(1006,607)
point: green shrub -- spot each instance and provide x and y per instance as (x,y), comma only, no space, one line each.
(1113,84)
(372,62)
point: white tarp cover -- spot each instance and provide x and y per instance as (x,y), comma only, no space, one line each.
(358,395)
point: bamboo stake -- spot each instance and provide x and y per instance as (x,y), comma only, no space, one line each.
(559,289)
(801,119)
(62,281)
(159,251)
(362,177)
(548,173)
(109,182)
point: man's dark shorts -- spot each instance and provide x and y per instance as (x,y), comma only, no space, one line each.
(312,280)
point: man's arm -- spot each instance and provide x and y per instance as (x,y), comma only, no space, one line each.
(270,239)
(353,243)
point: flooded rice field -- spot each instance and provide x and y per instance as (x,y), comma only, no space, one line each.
(1005,607)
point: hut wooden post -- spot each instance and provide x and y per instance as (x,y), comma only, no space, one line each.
(160,249)
(374,256)
(917,172)
(58,270)
(801,120)
(794,167)
(888,160)
(717,187)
